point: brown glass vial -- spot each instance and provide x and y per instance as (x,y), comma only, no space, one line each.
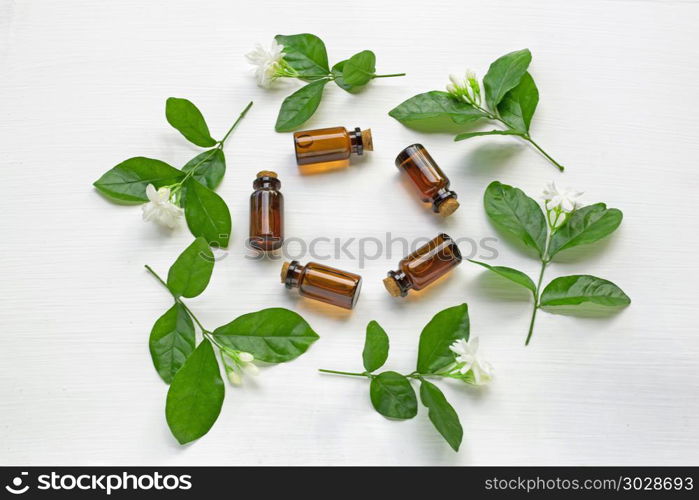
(424,266)
(266,212)
(429,179)
(330,148)
(322,283)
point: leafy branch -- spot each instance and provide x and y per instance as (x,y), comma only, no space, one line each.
(189,190)
(196,392)
(565,225)
(511,98)
(444,351)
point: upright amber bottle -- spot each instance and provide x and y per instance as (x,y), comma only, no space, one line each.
(323,283)
(266,212)
(429,179)
(330,148)
(424,266)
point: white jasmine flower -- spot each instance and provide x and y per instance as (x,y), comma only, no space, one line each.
(251,369)
(470,74)
(246,357)
(469,360)
(565,199)
(234,377)
(160,209)
(267,62)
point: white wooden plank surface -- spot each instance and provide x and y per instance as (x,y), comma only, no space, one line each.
(83,87)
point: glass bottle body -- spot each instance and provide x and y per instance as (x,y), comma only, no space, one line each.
(266,213)
(431,183)
(424,266)
(323,283)
(329,148)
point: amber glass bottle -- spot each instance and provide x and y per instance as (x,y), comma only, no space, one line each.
(424,266)
(429,179)
(330,148)
(323,283)
(266,212)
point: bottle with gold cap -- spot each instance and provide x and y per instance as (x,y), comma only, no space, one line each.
(323,283)
(428,178)
(424,266)
(266,212)
(330,148)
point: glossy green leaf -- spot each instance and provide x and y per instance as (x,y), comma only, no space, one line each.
(518,105)
(171,341)
(469,135)
(299,106)
(512,210)
(306,54)
(337,71)
(577,289)
(186,117)
(196,395)
(375,347)
(585,225)
(191,272)
(393,396)
(442,414)
(505,74)
(511,274)
(435,104)
(126,183)
(210,167)
(272,335)
(443,329)
(207,214)
(359,69)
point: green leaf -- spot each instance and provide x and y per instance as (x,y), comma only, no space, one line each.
(443,329)
(272,335)
(577,289)
(196,395)
(435,104)
(518,105)
(337,72)
(511,274)
(393,396)
(126,183)
(207,214)
(186,117)
(442,414)
(504,74)
(585,225)
(210,167)
(512,210)
(191,272)
(375,347)
(468,135)
(299,106)
(171,341)
(306,54)
(359,69)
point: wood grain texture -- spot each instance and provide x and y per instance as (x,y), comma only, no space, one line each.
(83,88)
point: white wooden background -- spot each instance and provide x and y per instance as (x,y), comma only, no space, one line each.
(82,88)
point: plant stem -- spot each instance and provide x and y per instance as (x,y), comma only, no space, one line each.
(389,75)
(352,374)
(179,301)
(539,148)
(536,301)
(240,117)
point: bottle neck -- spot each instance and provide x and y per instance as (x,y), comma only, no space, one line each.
(401,279)
(293,274)
(356,141)
(440,197)
(266,182)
